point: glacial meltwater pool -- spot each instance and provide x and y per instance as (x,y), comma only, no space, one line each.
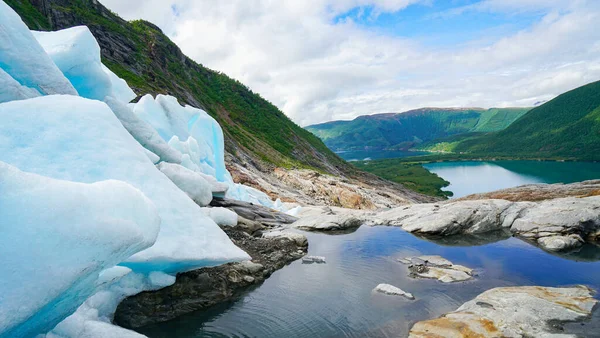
(336,299)
(468,178)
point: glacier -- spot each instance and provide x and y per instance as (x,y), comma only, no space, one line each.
(22,57)
(94,146)
(13,90)
(120,89)
(142,131)
(199,138)
(190,182)
(77,54)
(57,233)
(109,191)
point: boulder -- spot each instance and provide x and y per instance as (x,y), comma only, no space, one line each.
(392,291)
(527,311)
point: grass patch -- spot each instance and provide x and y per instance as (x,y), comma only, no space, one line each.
(411,175)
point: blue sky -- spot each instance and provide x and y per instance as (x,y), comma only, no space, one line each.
(323,60)
(442,23)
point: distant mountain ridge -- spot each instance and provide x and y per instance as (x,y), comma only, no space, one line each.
(412,128)
(566,127)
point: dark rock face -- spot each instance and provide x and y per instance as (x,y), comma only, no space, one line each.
(199,289)
(257,213)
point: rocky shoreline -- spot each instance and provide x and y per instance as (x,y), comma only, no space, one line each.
(202,288)
(554,225)
(557,225)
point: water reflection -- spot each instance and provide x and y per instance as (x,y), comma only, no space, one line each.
(336,299)
(467,239)
(477,177)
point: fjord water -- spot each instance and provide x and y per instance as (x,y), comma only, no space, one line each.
(477,177)
(336,299)
(364,155)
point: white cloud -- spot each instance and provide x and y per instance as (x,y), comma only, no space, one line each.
(293,54)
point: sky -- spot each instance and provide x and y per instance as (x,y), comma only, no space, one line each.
(323,60)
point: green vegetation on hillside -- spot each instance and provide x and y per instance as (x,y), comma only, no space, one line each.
(567,127)
(151,63)
(410,129)
(410,175)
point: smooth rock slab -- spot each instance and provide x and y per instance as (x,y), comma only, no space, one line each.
(437,267)
(526,311)
(313,259)
(392,291)
(300,239)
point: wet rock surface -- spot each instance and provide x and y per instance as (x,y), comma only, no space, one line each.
(541,192)
(527,311)
(328,219)
(437,267)
(554,225)
(199,289)
(252,212)
(391,290)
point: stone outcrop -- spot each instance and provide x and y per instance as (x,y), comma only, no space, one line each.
(328,219)
(309,187)
(554,225)
(437,267)
(199,289)
(393,291)
(256,213)
(541,192)
(528,311)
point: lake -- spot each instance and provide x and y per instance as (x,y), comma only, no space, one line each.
(336,299)
(476,177)
(360,155)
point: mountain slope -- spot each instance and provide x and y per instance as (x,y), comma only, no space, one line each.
(151,63)
(259,138)
(405,130)
(567,127)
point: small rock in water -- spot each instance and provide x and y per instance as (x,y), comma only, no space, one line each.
(437,267)
(392,290)
(313,259)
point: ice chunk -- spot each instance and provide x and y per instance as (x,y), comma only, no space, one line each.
(12,90)
(93,318)
(200,154)
(222,216)
(171,120)
(72,138)
(143,132)
(216,187)
(194,185)
(77,54)
(150,111)
(56,238)
(294,211)
(393,291)
(120,89)
(22,57)
(200,139)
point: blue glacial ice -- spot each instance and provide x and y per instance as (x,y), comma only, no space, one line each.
(57,236)
(105,221)
(93,146)
(22,57)
(77,54)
